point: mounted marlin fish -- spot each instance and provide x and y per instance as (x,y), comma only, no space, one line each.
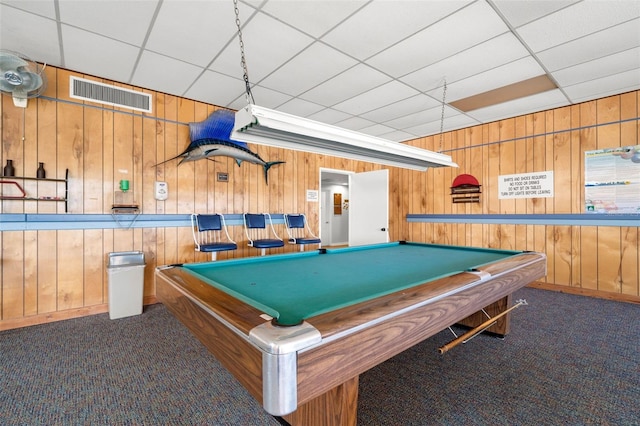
(212,138)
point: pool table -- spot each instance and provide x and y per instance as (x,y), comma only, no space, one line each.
(298,329)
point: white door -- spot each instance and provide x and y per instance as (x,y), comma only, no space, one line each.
(369,208)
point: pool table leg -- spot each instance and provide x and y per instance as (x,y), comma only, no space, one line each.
(502,326)
(337,407)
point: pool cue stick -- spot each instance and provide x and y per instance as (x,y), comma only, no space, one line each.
(479,329)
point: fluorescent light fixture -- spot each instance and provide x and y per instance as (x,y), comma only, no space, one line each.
(254,124)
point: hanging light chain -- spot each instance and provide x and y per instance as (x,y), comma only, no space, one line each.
(243,60)
(444,97)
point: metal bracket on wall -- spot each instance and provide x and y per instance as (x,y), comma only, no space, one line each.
(120,213)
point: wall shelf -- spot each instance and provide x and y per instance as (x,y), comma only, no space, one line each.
(25,197)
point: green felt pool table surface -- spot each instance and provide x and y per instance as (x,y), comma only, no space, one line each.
(297,286)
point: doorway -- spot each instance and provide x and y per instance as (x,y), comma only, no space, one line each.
(334,217)
(354,208)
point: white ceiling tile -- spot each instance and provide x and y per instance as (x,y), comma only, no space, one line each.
(354,123)
(300,107)
(522,12)
(470,26)
(510,73)
(91,53)
(164,74)
(603,67)
(606,86)
(377,130)
(593,46)
(350,83)
(313,18)
(313,66)
(451,123)
(420,117)
(424,41)
(397,136)
(263,96)
(329,116)
(577,21)
(264,48)
(202,41)
(125,21)
(380,96)
(491,54)
(216,88)
(39,7)
(383,23)
(539,102)
(401,108)
(19,30)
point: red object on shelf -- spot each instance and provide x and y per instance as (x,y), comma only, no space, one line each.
(13,197)
(464,180)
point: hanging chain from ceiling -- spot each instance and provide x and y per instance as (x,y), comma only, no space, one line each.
(444,98)
(243,60)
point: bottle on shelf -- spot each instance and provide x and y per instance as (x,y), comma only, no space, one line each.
(9,170)
(41,173)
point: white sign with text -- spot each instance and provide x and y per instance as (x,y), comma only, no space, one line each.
(526,185)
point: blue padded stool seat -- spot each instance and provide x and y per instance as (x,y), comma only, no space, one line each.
(305,240)
(267,243)
(208,248)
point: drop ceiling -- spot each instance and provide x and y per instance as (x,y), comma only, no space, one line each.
(378,67)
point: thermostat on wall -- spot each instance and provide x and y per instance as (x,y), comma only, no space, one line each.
(162,191)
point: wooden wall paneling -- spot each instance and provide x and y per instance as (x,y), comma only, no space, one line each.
(630,261)
(137,158)
(609,239)
(70,269)
(630,249)
(149,248)
(203,183)
(588,257)
(109,176)
(562,252)
(609,259)
(521,165)
(172,148)
(47,270)
(576,259)
(29,142)
(150,173)
(549,140)
(12,274)
(30,273)
(588,278)
(577,159)
(559,161)
(186,179)
(70,140)
(47,118)
(92,194)
(293,178)
(123,170)
(160,174)
(94,260)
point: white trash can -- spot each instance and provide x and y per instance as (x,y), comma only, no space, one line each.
(125,270)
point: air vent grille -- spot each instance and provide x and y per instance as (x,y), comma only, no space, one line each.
(92,91)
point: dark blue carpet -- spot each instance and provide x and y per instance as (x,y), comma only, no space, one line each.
(569,360)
